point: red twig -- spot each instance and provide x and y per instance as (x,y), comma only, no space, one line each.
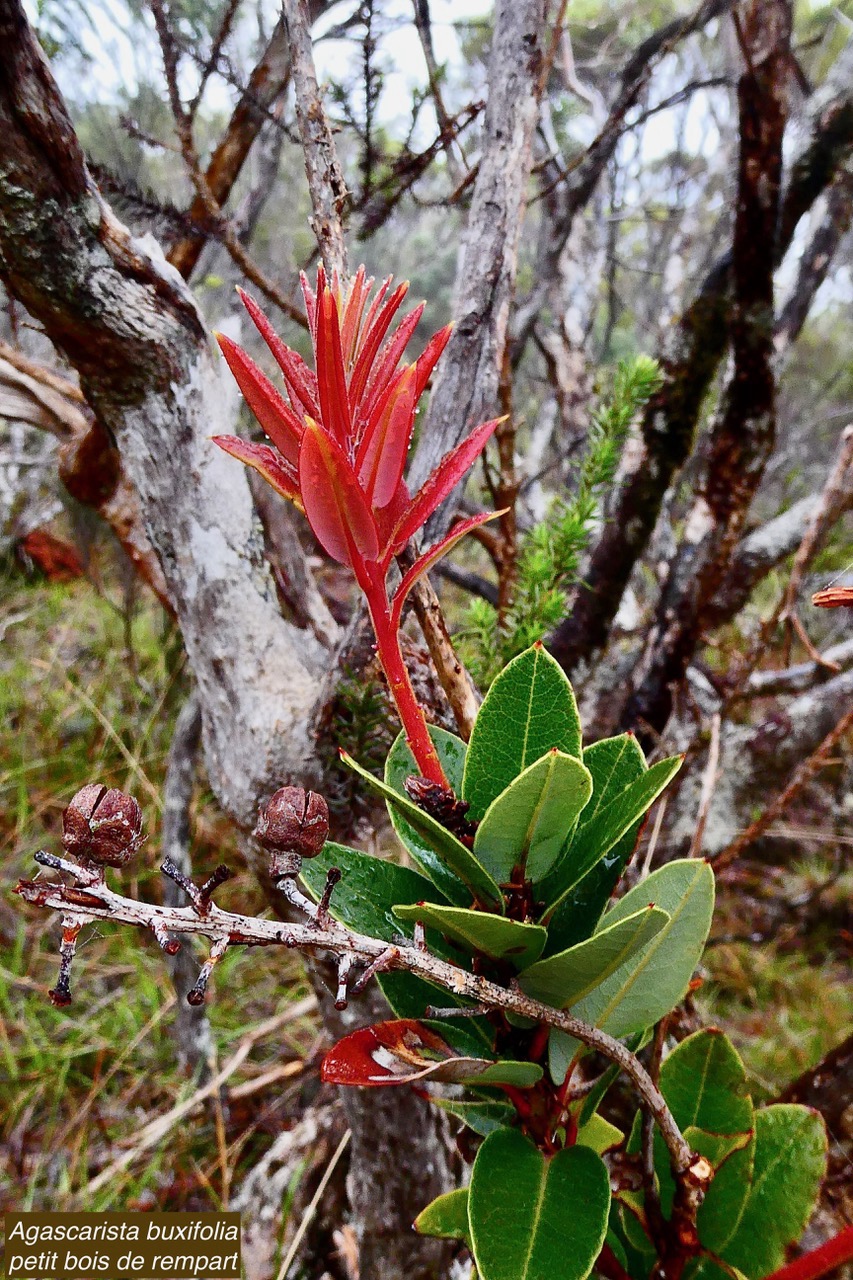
(821,1261)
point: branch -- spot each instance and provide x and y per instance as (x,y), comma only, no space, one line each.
(815,263)
(89,465)
(583,177)
(266,83)
(744,432)
(212,207)
(690,363)
(93,900)
(801,677)
(801,776)
(325,176)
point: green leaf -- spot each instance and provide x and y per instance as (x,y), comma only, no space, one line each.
(521,1075)
(564,979)
(598,836)
(446,1217)
(527,825)
(452,854)
(790,1162)
(400,765)
(614,764)
(494,936)
(409,997)
(651,983)
(705,1268)
(533,1218)
(705,1085)
(720,1212)
(599,1134)
(529,709)
(364,898)
(483,1117)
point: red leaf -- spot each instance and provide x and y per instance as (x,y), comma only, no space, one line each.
(267,404)
(441,481)
(388,1053)
(388,359)
(388,517)
(373,333)
(331,380)
(382,452)
(357,296)
(333,501)
(267,462)
(424,563)
(430,358)
(301,382)
(397,1052)
(311,297)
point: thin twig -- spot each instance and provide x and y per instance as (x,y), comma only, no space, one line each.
(212,208)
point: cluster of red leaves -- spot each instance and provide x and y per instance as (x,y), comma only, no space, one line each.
(341,436)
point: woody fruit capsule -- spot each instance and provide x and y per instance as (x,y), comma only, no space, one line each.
(339,439)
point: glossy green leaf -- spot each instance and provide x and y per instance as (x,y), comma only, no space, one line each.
(446,1217)
(533,1218)
(526,827)
(564,979)
(610,824)
(529,709)
(450,851)
(614,764)
(483,1117)
(705,1084)
(494,936)
(369,888)
(521,1075)
(399,765)
(651,983)
(790,1162)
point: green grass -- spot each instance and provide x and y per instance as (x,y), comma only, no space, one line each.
(78,1084)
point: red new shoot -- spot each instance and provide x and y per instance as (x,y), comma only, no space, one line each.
(339,442)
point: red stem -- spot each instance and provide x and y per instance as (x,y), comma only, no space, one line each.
(820,1261)
(390,656)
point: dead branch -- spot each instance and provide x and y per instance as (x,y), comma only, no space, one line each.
(690,363)
(800,778)
(466,387)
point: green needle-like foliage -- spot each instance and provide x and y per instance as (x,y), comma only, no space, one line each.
(550,553)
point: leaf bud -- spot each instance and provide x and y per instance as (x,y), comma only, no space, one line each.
(102,825)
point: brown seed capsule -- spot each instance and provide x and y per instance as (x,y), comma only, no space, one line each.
(102,825)
(293,821)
